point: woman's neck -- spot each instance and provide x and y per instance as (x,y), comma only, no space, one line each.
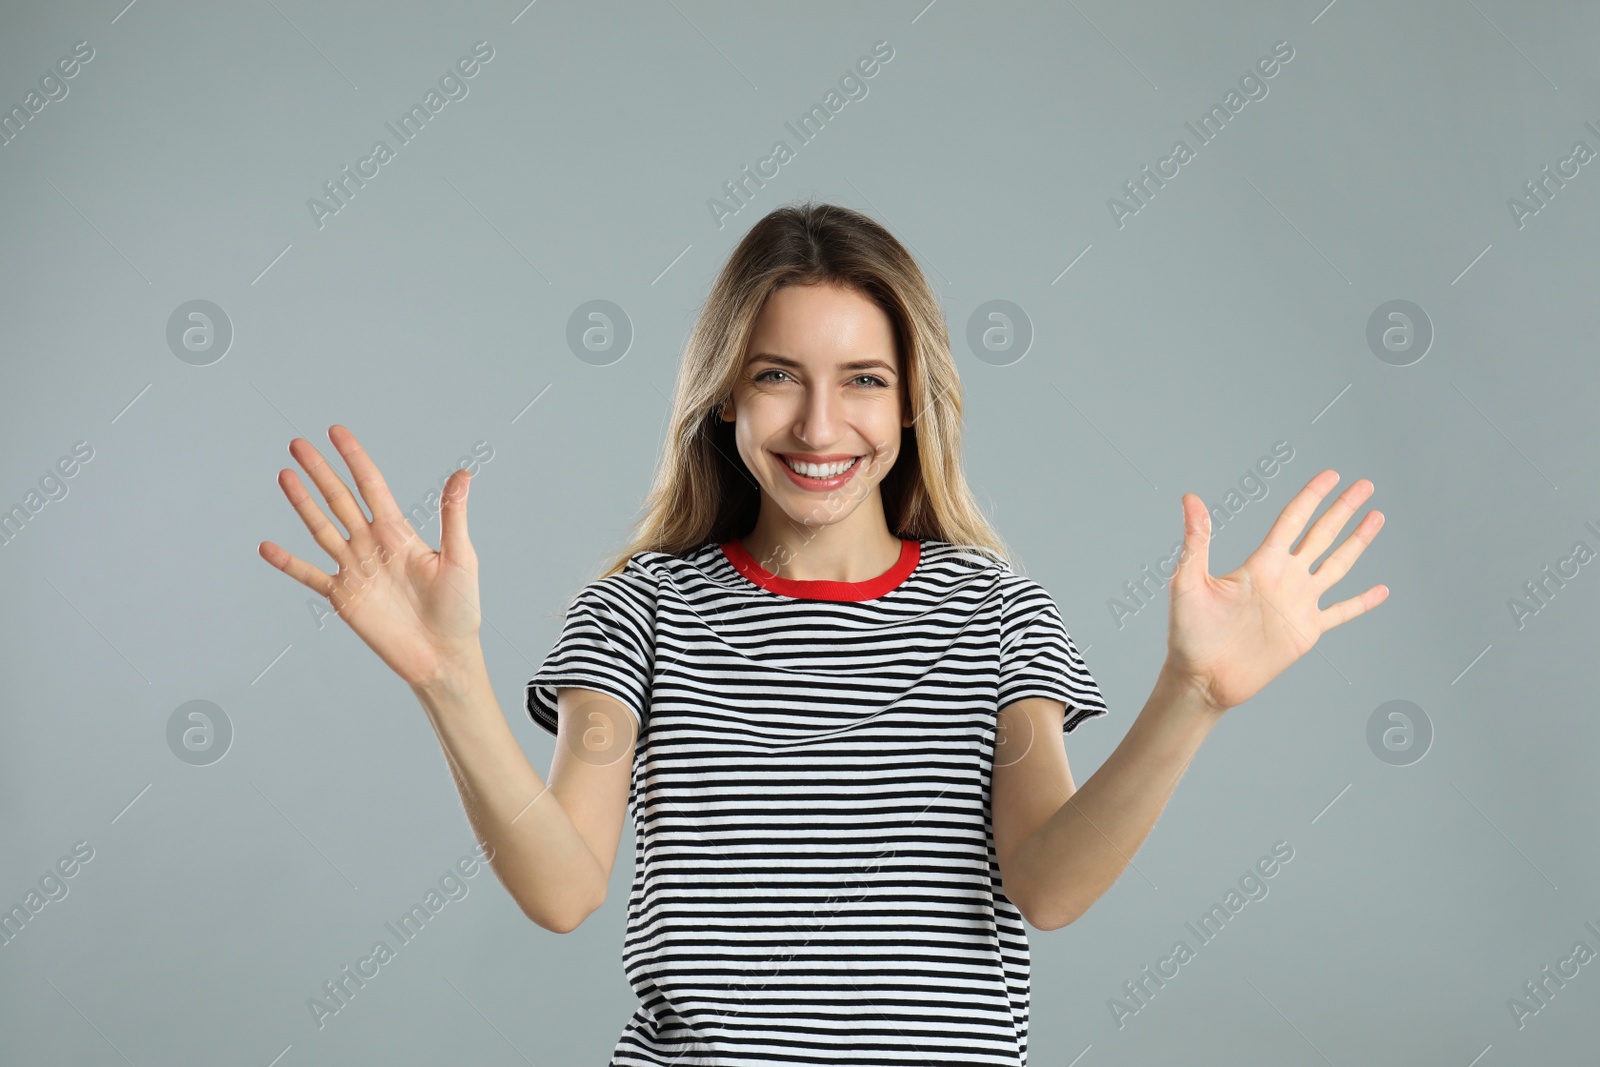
(857,548)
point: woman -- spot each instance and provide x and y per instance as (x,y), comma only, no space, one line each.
(833,708)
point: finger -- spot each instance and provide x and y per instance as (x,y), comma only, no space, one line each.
(1292,520)
(322,531)
(1339,562)
(334,491)
(1325,529)
(1345,610)
(1194,563)
(317,581)
(374,490)
(453,543)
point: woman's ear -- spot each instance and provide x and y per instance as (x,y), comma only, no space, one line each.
(725,412)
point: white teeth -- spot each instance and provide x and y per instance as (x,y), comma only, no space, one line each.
(821,470)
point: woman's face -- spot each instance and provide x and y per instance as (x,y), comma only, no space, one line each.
(820,386)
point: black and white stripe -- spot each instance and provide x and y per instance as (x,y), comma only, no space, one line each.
(815,878)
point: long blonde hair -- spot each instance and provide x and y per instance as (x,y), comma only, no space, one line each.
(703,491)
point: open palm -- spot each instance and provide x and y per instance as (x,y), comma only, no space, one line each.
(1231,635)
(417,608)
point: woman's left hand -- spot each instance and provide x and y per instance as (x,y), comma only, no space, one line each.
(1230,636)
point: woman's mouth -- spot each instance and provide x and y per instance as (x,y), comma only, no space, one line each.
(819,476)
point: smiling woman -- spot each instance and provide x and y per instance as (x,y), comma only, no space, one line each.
(834,708)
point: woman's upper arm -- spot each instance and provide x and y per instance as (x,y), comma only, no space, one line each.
(592,766)
(1030,782)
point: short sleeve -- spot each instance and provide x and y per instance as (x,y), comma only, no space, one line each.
(607,643)
(1039,659)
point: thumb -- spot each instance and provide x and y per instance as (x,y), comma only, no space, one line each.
(453,543)
(1196,557)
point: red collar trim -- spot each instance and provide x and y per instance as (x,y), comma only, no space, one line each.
(821,589)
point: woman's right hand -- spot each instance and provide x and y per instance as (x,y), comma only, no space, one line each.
(415,607)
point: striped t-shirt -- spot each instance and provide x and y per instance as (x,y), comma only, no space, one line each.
(815,878)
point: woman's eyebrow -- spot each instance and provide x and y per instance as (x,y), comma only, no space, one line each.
(855,364)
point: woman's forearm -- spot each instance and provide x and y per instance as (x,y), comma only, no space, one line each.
(1076,855)
(537,852)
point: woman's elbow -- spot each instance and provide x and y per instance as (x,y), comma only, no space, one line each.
(565,919)
(1047,918)
(1047,924)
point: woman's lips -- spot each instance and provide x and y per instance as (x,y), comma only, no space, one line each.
(805,481)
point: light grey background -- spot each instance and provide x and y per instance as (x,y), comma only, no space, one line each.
(1229,313)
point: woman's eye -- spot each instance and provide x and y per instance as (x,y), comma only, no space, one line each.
(762,376)
(873,379)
